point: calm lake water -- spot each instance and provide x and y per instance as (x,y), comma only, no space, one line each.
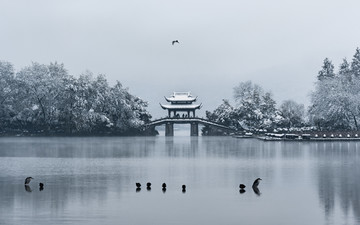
(92,181)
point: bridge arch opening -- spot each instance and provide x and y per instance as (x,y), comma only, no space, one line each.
(182,130)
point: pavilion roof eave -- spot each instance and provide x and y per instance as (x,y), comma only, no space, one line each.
(181,107)
(188,99)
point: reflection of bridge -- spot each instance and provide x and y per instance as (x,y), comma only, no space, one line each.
(193,121)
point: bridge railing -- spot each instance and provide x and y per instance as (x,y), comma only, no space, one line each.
(200,119)
(179,118)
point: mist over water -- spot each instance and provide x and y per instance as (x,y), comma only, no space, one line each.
(92,181)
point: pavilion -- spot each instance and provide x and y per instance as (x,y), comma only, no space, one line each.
(180,107)
(181,102)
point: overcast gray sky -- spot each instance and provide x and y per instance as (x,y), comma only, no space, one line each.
(278,44)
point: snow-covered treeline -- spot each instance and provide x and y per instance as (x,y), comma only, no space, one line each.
(335,104)
(255,110)
(336,99)
(45,99)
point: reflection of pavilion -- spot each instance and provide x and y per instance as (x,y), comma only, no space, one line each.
(181,102)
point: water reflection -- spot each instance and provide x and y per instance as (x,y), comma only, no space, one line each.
(256,190)
(182,147)
(337,175)
(183,188)
(59,194)
(226,147)
(293,150)
(41,186)
(84,147)
(27,188)
(91,180)
(148,186)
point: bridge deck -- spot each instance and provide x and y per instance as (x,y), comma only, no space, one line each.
(186,120)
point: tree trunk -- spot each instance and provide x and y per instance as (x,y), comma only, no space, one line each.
(355,121)
(42,110)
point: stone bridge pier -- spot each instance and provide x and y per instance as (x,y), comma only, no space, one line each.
(169,129)
(194,130)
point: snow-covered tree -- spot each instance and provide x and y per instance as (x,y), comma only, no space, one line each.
(223,114)
(326,111)
(355,64)
(254,109)
(46,99)
(7,80)
(292,114)
(268,109)
(42,84)
(7,92)
(327,70)
(344,68)
(335,102)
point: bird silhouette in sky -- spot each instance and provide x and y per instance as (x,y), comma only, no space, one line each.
(176,41)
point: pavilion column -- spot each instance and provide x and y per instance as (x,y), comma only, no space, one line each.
(169,129)
(194,130)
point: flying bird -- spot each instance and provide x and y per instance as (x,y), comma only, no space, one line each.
(176,41)
(27,180)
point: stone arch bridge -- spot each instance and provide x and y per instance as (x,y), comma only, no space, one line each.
(193,121)
(183,103)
